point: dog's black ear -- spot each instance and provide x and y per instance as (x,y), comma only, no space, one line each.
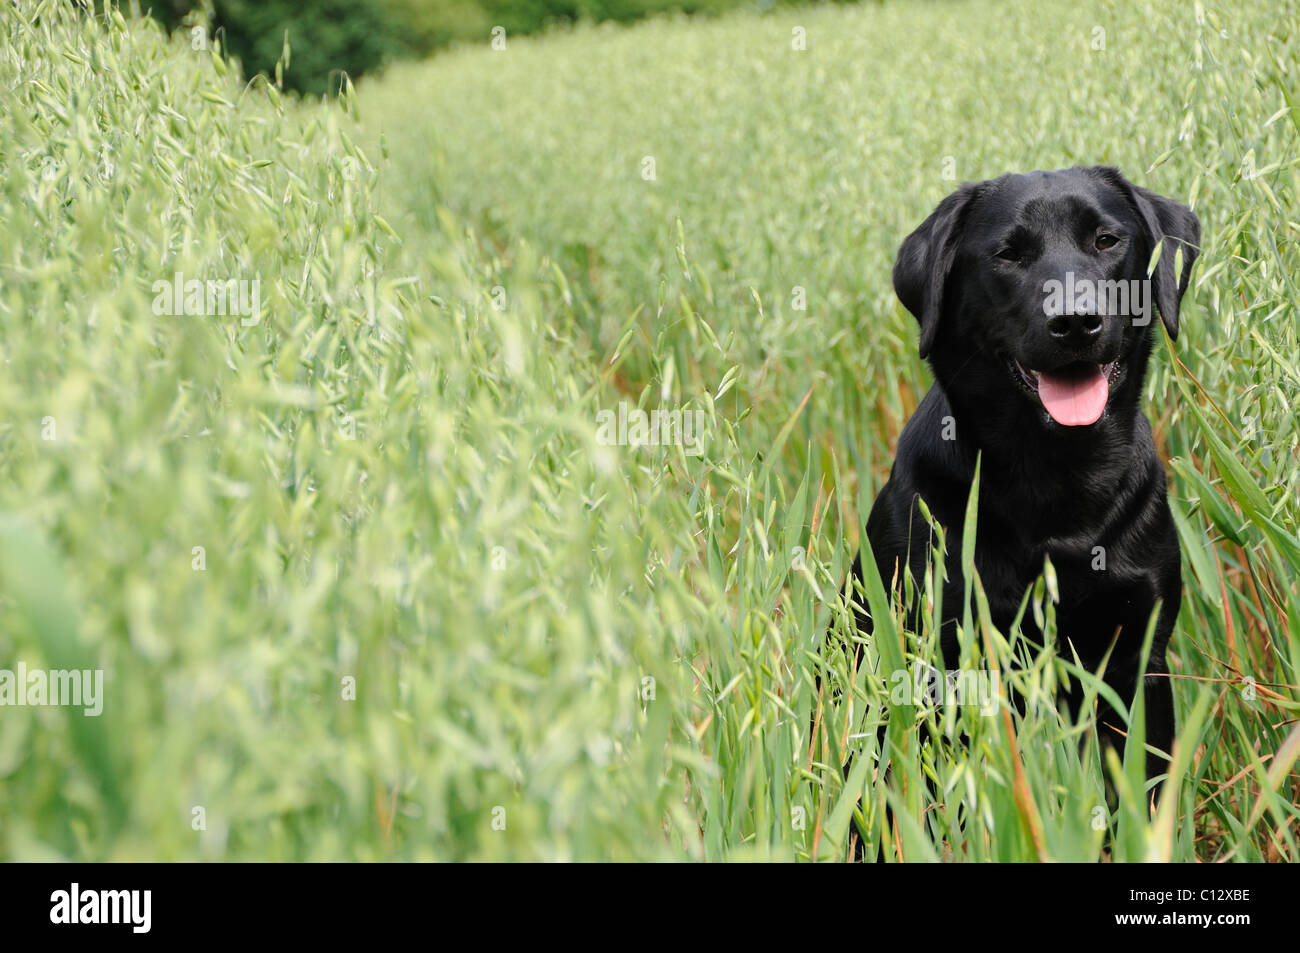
(1165,221)
(1180,230)
(925,260)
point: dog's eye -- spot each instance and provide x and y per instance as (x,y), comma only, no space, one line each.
(1009,254)
(1105,241)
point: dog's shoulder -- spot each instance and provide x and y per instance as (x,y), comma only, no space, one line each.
(932,458)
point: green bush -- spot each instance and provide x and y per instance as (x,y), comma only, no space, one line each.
(358,36)
(326,37)
(430,24)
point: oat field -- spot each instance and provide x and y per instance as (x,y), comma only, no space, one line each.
(305,416)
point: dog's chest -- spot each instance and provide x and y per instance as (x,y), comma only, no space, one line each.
(1099,592)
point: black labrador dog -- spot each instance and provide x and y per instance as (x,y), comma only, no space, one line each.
(1034,302)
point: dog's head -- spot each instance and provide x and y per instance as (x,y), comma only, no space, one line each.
(1039,282)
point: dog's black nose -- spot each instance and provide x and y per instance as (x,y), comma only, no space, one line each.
(1074,327)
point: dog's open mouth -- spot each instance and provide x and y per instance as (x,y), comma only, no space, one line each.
(1074,395)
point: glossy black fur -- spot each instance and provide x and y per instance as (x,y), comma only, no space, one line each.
(1046,489)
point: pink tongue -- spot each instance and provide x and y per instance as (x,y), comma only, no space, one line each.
(1074,401)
